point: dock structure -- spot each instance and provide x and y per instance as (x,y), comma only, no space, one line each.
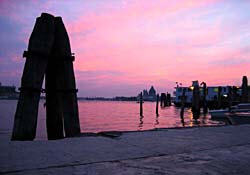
(49,54)
(199,150)
(214,97)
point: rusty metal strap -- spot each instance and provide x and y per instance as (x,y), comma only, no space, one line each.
(64,57)
(60,90)
(30,89)
(34,53)
(58,58)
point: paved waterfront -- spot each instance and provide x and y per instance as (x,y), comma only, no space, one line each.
(201,150)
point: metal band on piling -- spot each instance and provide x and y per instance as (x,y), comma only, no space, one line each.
(60,90)
(30,53)
(31,89)
(65,57)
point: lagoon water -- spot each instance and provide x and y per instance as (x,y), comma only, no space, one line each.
(96,116)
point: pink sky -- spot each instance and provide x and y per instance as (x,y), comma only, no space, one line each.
(124,46)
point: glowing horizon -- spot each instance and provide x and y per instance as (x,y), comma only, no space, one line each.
(125,46)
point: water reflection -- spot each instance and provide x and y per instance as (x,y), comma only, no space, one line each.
(193,118)
(141,122)
(156,120)
(182,119)
(97,116)
(203,118)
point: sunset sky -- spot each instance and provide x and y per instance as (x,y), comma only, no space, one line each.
(124,46)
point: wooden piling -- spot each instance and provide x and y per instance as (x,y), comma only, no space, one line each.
(157,105)
(204,97)
(183,101)
(168,100)
(39,48)
(66,80)
(196,102)
(141,108)
(244,95)
(230,97)
(163,100)
(54,101)
(219,97)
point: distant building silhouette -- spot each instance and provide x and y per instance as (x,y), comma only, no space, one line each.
(145,92)
(148,95)
(152,91)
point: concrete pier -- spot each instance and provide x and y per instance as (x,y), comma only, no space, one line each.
(200,150)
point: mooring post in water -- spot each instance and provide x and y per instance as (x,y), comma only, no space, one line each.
(230,97)
(39,48)
(235,94)
(244,96)
(157,105)
(163,100)
(219,97)
(204,89)
(183,101)
(141,108)
(196,100)
(64,92)
(168,99)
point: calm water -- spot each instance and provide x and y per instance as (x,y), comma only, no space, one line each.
(96,116)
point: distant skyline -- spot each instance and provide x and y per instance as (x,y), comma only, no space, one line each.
(125,46)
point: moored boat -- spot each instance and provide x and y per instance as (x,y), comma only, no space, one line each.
(224,113)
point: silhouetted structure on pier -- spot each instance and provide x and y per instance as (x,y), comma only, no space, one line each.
(244,87)
(141,103)
(204,100)
(49,54)
(165,99)
(157,105)
(196,100)
(214,97)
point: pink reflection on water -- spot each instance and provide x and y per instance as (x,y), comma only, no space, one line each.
(96,116)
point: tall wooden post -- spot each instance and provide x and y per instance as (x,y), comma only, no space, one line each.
(39,48)
(196,102)
(183,101)
(141,108)
(168,99)
(66,79)
(204,97)
(54,99)
(157,105)
(230,97)
(244,95)
(219,97)
(161,98)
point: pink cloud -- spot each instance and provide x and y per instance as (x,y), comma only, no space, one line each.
(153,42)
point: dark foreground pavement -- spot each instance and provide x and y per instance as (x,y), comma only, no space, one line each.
(201,150)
